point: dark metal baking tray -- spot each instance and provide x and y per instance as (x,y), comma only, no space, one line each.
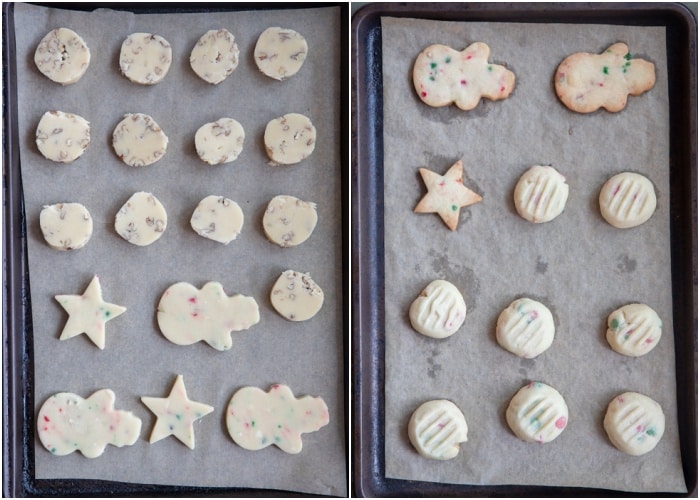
(368,474)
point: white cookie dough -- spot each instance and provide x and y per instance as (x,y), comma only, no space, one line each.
(437,428)
(439,310)
(289,139)
(634,329)
(138,140)
(540,194)
(141,220)
(525,328)
(66,226)
(537,413)
(217,218)
(635,423)
(62,56)
(289,221)
(280,53)
(627,200)
(220,141)
(62,137)
(295,296)
(214,56)
(145,58)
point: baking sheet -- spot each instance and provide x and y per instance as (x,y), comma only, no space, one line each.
(138,360)
(578,265)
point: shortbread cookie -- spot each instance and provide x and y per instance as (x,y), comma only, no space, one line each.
(138,140)
(289,139)
(537,413)
(635,423)
(62,56)
(540,194)
(525,328)
(145,58)
(141,220)
(627,200)
(66,226)
(442,76)
(289,221)
(62,137)
(215,56)
(585,82)
(437,428)
(438,311)
(446,194)
(217,218)
(279,53)
(66,423)
(634,329)
(256,419)
(295,296)
(220,141)
(187,315)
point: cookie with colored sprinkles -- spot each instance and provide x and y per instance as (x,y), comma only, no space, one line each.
(627,200)
(437,428)
(633,329)
(537,413)
(525,328)
(634,423)
(540,194)
(439,311)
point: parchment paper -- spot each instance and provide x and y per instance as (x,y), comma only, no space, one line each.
(138,360)
(578,265)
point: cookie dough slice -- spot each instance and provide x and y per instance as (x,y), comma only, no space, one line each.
(289,139)
(540,194)
(525,328)
(289,221)
(280,53)
(627,200)
(633,330)
(634,423)
(537,413)
(141,220)
(214,56)
(66,226)
(217,218)
(138,140)
(62,56)
(220,141)
(62,137)
(437,428)
(438,311)
(295,296)
(145,58)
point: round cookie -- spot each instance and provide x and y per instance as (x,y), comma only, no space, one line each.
(62,137)
(634,423)
(214,56)
(145,58)
(627,200)
(436,429)
(138,140)
(525,328)
(66,226)
(537,413)
(289,221)
(62,56)
(295,296)
(289,139)
(280,53)
(217,218)
(141,220)
(220,141)
(633,330)
(438,311)
(540,194)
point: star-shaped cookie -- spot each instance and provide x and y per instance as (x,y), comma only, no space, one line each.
(176,414)
(88,313)
(446,194)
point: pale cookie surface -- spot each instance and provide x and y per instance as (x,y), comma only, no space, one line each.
(62,137)
(437,428)
(280,53)
(585,82)
(627,200)
(66,226)
(525,328)
(88,313)
(634,329)
(138,140)
(215,56)
(438,311)
(256,419)
(442,76)
(145,58)
(176,414)
(635,423)
(289,139)
(141,220)
(540,194)
(446,194)
(187,315)
(537,413)
(62,56)
(217,218)
(289,221)
(220,141)
(295,296)
(67,422)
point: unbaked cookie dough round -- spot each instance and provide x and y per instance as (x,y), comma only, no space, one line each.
(280,53)
(217,218)
(635,423)
(525,328)
(295,296)
(62,137)
(437,428)
(537,413)
(627,200)
(634,329)
(438,311)
(62,56)
(214,56)
(138,140)
(220,141)
(289,139)
(289,221)
(66,226)
(141,220)
(145,58)
(540,194)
